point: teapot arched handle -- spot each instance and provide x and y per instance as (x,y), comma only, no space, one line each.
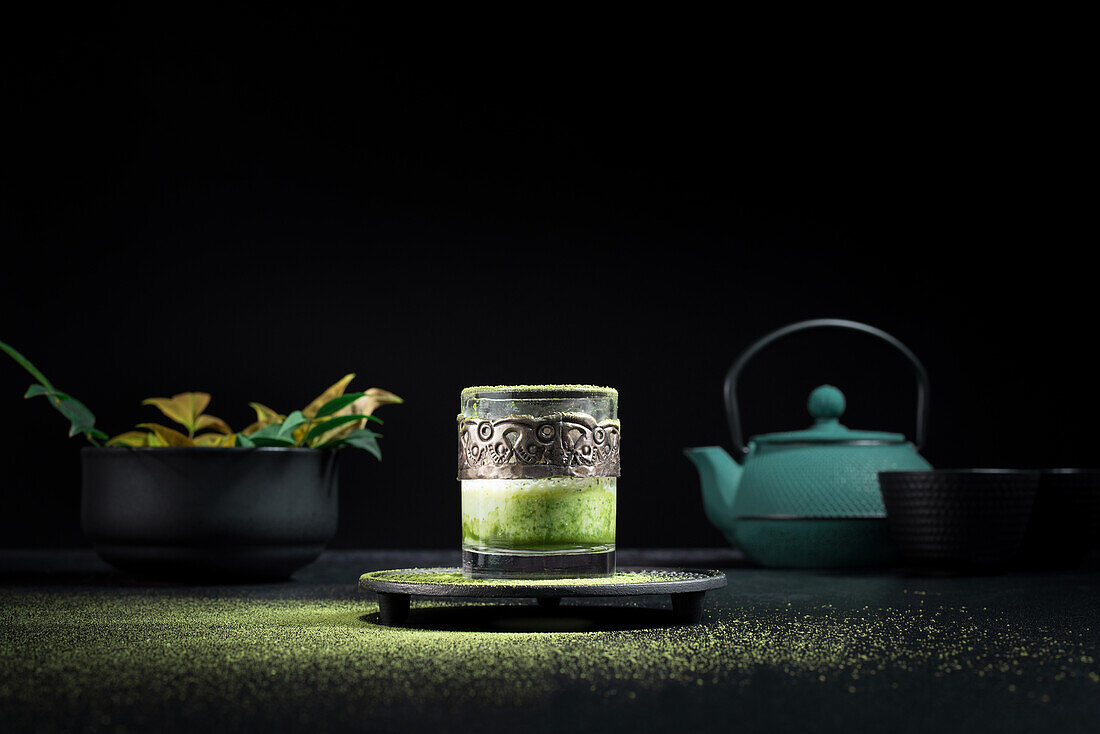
(730,387)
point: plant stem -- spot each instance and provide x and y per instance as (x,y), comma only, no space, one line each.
(26,365)
(52,397)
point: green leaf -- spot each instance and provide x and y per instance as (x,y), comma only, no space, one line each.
(361,439)
(82,418)
(245,442)
(330,424)
(366,440)
(268,441)
(286,429)
(269,432)
(280,433)
(337,403)
(35,390)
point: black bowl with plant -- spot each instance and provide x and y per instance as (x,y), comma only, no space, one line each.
(205,503)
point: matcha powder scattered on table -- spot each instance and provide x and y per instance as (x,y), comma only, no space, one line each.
(251,659)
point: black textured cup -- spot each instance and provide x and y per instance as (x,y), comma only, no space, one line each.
(1065,521)
(958,520)
(209,514)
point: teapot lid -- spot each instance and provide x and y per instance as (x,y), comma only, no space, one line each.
(826,405)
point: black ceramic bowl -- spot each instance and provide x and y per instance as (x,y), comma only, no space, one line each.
(958,520)
(1065,521)
(209,514)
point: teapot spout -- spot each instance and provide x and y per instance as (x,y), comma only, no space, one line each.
(719,475)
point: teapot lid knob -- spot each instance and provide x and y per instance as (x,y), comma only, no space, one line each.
(826,402)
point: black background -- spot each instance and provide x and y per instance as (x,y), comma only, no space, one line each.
(253,205)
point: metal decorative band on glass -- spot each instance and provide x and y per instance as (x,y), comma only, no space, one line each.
(557,445)
(539,467)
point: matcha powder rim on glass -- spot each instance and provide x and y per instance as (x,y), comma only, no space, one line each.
(609,391)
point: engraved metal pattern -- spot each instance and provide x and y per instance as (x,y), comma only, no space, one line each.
(522,447)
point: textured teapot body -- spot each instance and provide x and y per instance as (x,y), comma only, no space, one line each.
(818,480)
(803,506)
(817,506)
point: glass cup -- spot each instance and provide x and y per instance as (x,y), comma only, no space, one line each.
(539,466)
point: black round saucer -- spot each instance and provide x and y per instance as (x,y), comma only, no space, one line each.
(685,585)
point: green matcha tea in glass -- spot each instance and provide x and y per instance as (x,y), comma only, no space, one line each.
(538,466)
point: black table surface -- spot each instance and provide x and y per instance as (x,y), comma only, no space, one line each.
(83,648)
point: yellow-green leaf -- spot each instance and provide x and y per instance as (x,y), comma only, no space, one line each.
(184,408)
(167,435)
(337,425)
(333,392)
(374,398)
(209,421)
(265,417)
(130,438)
(215,439)
(210,439)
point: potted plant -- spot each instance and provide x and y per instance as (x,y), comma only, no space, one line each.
(204,502)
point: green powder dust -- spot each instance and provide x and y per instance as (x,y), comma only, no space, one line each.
(125,659)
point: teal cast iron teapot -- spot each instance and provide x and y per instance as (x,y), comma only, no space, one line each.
(808,498)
